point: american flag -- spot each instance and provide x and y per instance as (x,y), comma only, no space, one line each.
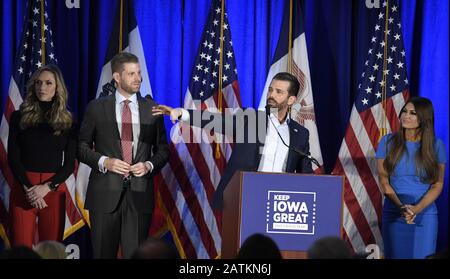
(381,94)
(35,50)
(189,180)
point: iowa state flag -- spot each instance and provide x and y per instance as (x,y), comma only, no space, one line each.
(303,109)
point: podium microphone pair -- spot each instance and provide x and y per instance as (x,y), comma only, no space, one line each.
(301,153)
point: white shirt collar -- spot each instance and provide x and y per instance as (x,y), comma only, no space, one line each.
(120,98)
(276,121)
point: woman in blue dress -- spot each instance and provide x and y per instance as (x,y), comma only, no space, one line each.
(411,166)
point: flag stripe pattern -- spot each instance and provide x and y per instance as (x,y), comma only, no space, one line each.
(381,94)
(188,182)
(36,49)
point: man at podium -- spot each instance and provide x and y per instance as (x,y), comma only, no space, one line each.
(266,141)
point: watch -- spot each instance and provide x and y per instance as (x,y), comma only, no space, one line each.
(52,186)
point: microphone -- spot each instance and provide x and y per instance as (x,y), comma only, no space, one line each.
(301,153)
(267,109)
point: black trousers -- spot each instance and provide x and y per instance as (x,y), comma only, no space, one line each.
(124,225)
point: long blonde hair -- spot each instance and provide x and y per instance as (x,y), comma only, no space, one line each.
(59,118)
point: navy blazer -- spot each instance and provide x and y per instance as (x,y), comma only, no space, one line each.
(246,155)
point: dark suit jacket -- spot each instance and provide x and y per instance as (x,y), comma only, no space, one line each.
(99,135)
(246,155)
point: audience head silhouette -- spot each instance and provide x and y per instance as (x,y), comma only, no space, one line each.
(50,249)
(19,252)
(329,248)
(155,248)
(258,246)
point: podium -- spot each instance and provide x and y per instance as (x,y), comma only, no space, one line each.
(293,209)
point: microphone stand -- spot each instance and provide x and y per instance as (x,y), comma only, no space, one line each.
(301,153)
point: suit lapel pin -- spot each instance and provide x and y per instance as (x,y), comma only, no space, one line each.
(295,130)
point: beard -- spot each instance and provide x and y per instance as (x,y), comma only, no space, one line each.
(274,105)
(130,88)
(271,103)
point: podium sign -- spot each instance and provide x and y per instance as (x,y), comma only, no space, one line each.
(293,209)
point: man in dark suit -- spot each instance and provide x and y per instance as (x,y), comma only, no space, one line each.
(264,141)
(125,145)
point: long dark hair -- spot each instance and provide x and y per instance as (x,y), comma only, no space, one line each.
(425,157)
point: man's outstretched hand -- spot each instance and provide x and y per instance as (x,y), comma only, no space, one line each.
(174,113)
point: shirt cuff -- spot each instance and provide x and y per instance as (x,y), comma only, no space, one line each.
(184,115)
(151,166)
(101,164)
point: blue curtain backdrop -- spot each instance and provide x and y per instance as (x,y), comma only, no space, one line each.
(337,34)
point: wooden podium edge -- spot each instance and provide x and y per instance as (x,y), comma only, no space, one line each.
(231,225)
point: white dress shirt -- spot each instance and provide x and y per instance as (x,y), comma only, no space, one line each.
(275,153)
(136,127)
(134,108)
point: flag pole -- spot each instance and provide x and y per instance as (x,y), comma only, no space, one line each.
(121,26)
(42,33)
(290,39)
(220,93)
(383,128)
